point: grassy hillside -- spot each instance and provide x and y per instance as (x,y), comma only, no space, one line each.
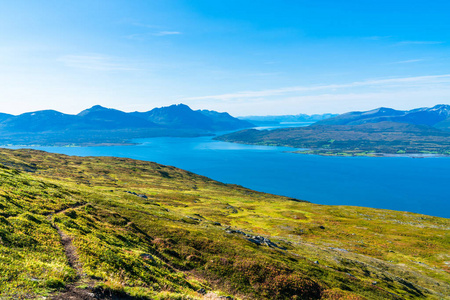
(125,229)
(365,139)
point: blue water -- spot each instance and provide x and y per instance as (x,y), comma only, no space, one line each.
(400,183)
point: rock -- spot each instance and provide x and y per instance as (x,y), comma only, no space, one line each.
(321,227)
(217,224)
(142,196)
(202,291)
(147,256)
(233,209)
(254,241)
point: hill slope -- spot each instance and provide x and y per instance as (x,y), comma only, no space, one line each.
(114,227)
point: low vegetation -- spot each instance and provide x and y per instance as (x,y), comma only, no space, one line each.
(103,226)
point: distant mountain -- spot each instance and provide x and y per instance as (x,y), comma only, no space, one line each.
(39,121)
(300,118)
(176,116)
(110,126)
(99,117)
(435,116)
(182,116)
(4,116)
(223,121)
(444,125)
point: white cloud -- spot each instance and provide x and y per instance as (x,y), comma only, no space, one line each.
(147,35)
(163,33)
(332,103)
(408,61)
(380,83)
(96,62)
(377,38)
(419,43)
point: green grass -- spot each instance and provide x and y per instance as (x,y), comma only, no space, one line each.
(170,245)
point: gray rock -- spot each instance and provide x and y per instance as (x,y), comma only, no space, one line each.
(254,241)
(147,256)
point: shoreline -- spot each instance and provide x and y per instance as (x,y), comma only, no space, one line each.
(346,154)
(305,151)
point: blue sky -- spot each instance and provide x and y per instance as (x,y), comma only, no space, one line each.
(245,57)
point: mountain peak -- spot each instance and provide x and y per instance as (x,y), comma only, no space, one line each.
(98,107)
(419,116)
(95,108)
(441,107)
(179,106)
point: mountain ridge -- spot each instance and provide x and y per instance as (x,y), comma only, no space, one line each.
(432,116)
(101,125)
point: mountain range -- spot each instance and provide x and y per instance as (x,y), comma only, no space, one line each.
(107,125)
(437,116)
(178,116)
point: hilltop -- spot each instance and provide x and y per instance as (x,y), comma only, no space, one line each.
(119,228)
(101,125)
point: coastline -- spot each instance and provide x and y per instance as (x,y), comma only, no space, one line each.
(370,154)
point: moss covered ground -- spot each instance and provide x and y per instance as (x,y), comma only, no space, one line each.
(140,230)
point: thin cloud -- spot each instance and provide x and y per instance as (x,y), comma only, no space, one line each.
(409,61)
(391,82)
(377,38)
(163,33)
(138,24)
(95,62)
(419,43)
(145,36)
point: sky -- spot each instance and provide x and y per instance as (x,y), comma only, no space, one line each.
(245,57)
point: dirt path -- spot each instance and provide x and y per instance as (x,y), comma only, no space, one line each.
(72,291)
(71,252)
